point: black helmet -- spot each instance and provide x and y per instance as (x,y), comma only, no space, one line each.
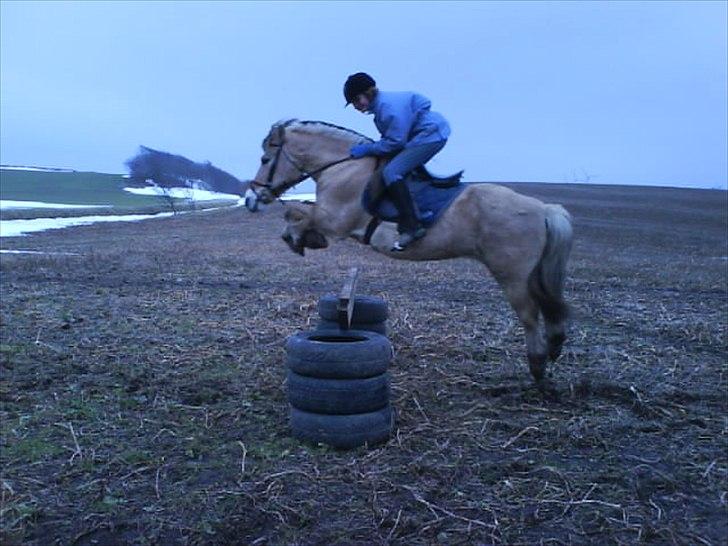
(357,84)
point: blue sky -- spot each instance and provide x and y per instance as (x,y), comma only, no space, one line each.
(601,92)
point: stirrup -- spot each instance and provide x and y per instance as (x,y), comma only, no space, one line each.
(407,238)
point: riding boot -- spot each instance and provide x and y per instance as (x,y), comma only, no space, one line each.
(409,226)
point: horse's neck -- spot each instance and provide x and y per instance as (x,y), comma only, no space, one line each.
(323,154)
(319,150)
(338,196)
(339,187)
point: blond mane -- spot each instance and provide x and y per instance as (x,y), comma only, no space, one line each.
(325,129)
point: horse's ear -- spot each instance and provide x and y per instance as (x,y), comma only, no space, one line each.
(277,135)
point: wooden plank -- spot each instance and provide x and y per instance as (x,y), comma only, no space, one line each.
(345,309)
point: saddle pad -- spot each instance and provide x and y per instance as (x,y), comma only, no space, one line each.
(430,202)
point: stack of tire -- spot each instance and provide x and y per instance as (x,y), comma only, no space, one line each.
(370,313)
(338,383)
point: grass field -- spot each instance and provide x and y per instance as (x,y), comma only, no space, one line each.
(143,388)
(78,188)
(74,188)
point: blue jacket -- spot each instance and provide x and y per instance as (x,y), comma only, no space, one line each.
(404,119)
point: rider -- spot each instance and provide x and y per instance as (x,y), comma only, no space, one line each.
(411,136)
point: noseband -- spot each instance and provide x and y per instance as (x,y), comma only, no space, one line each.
(268,184)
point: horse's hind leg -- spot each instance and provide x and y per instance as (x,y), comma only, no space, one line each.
(546,281)
(527,310)
(555,314)
(555,334)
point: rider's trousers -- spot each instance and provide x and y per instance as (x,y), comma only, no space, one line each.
(408,159)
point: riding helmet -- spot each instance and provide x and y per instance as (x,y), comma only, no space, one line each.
(357,84)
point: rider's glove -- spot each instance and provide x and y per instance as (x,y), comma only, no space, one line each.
(360,150)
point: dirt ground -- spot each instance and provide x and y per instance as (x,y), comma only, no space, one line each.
(144,400)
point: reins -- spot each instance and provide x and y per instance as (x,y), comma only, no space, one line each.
(372,225)
(304,173)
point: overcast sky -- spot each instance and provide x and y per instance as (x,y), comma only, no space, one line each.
(605,92)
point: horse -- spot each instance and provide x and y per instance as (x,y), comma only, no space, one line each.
(523,242)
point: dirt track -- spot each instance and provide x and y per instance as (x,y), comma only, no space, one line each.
(143,394)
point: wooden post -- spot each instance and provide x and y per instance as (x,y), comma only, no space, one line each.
(345,309)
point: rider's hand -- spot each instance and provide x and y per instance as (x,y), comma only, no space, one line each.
(360,150)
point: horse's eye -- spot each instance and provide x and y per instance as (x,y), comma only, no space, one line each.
(264,160)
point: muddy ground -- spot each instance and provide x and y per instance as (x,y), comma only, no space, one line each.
(144,402)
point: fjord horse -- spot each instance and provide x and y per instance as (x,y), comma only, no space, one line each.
(524,243)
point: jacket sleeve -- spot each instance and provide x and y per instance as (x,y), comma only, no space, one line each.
(396,122)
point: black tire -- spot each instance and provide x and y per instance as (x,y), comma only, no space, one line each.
(378,327)
(338,354)
(367,309)
(343,431)
(338,396)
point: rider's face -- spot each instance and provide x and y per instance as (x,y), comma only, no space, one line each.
(361,102)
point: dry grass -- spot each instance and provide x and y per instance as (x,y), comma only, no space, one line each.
(143,388)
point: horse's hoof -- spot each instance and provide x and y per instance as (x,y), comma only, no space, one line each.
(548,390)
(556,343)
(537,365)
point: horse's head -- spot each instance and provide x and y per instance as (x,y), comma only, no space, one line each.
(295,150)
(278,170)
(300,232)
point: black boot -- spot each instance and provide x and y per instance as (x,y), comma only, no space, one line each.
(409,225)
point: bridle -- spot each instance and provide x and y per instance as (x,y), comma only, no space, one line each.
(281,151)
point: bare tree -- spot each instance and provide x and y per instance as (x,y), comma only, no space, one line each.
(582,178)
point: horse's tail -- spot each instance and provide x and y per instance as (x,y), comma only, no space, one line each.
(546,281)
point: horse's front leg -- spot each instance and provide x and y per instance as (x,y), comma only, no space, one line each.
(301,231)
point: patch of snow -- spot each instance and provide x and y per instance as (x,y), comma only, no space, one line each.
(299,197)
(18,228)
(38,252)
(183,193)
(36,169)
(6,204)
